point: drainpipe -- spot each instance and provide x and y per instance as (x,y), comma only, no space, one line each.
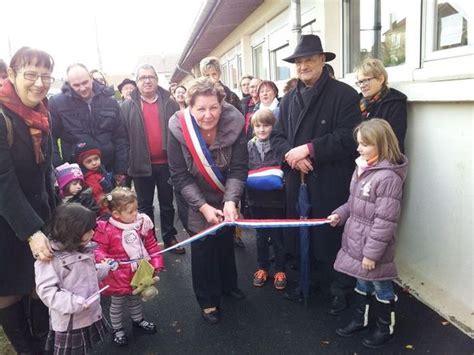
(295,22)
(295,25)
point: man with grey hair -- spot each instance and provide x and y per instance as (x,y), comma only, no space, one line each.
(146,116)
(87,111)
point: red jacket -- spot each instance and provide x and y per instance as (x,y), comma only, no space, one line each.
(109,245)
(93,179)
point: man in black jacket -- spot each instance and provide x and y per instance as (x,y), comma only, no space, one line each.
(316,123)
(87,111)
(146,117)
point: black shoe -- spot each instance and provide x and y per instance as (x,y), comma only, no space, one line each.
(236,294)
(119,338)
(213,317)
(145,326)
(178,250)
(338,304)
(294,294)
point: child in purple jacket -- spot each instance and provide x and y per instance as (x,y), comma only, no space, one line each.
(69,284)
(371,216)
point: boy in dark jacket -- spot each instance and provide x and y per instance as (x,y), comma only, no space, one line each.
(71,186)
(96,177)
(266,196)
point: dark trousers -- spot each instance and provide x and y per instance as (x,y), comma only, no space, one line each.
(337,283)
(145,188)
(274,234)
(26,325)
(213,267)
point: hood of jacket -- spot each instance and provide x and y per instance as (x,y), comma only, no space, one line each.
(400,169)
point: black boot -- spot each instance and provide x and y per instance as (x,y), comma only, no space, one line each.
(39,320)
(360,318)
(15,325)
(385,325)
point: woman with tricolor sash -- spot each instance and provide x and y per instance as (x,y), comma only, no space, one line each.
(208,163)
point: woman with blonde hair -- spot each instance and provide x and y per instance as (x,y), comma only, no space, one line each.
(377,99)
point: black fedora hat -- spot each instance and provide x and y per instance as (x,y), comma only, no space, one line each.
(125,82)
(307,46)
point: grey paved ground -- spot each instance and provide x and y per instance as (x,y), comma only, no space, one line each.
(265,323)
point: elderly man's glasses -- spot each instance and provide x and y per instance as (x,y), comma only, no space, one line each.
(363,81)
(147,78)
(33,76)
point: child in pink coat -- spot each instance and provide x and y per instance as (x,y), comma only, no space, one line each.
(126,235)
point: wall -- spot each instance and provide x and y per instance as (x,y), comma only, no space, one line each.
(435,246)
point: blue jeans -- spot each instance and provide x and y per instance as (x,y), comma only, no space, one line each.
(383,289)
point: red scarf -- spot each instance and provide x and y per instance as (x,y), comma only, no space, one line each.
(367,104)
(36,119)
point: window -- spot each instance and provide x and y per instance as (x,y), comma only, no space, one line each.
(233,75)
(259,69)
(451,25)
(224,74)
(280,68)
(375,28)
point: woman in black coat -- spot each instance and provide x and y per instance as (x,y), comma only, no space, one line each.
(27,196)
(377,100)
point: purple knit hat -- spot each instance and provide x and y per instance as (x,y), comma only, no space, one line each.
(66,173)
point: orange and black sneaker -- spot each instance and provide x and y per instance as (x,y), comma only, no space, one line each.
(260,277)
(279,281)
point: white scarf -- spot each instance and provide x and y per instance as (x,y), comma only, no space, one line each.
(132,235)
(271,107)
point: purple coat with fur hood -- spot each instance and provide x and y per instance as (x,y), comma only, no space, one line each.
(371,215)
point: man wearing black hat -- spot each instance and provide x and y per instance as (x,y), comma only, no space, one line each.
(126,87)
(316,124)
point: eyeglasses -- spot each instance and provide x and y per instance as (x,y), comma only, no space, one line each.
(363,81)
(147,77)
(33,76)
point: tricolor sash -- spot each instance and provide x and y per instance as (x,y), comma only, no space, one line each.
(199,151)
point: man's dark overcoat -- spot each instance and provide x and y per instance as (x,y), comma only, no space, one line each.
(327,121)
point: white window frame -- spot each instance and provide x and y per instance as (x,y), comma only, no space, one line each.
(444,64)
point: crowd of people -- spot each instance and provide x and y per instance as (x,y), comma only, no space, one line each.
(78,176)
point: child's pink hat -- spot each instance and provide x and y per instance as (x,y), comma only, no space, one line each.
(66,173)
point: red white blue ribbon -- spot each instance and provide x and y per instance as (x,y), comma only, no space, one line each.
(199,151)
(246,224)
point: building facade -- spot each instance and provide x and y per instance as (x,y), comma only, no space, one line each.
(428,49)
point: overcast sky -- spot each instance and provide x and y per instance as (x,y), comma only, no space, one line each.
(126,30)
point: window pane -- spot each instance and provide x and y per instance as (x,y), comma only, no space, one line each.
(281,68)
(451,25)
(258,67)
(378,29)
(224,75)
(233,75)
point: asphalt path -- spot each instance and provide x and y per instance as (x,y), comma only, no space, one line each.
(266,323)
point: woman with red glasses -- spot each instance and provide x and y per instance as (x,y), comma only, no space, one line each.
(27,196)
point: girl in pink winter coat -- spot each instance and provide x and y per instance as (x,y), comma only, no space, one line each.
(371,218)
(126,235)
